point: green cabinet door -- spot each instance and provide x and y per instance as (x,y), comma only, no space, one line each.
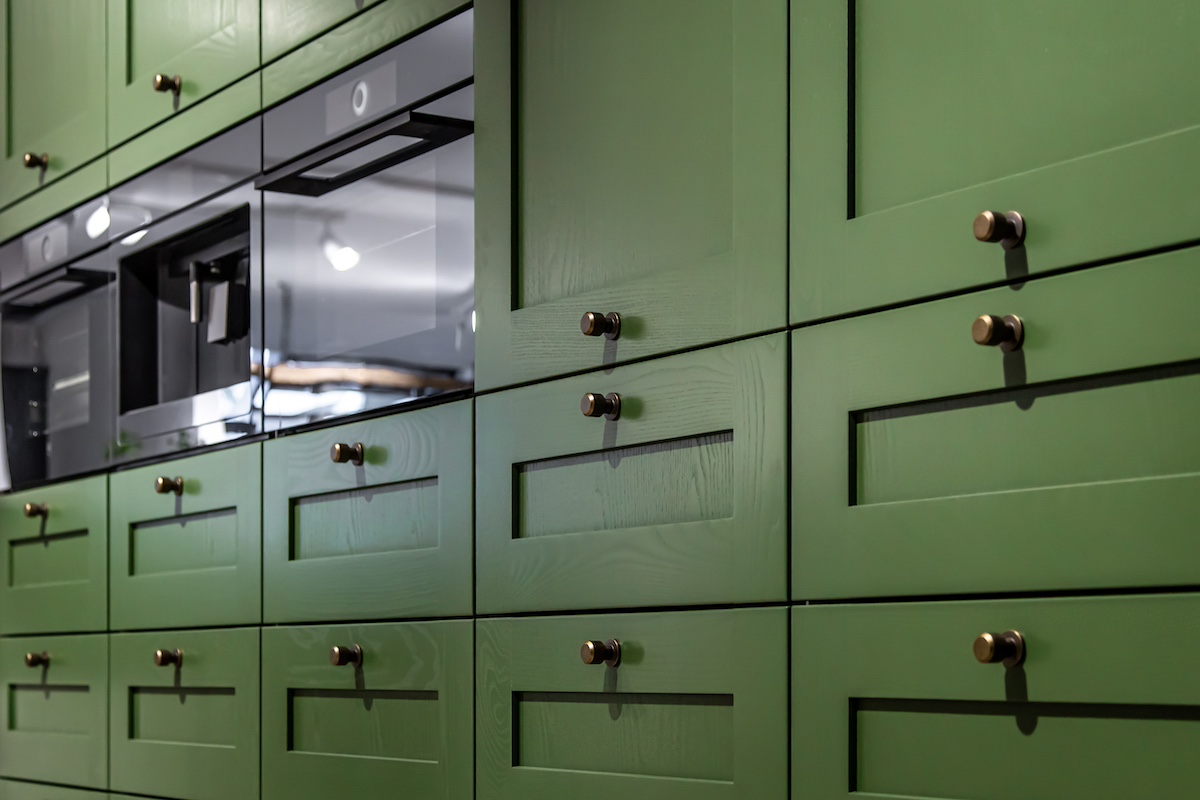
(909,119)
(52,83)
(286,24)
(55,558)
(19,790)
(388,537)
(207,44)
(1104,705)
(55,707)
(631,158)
(924,463)
(399,715)
(188,729)
(187,559)
(680,500)
(695,708)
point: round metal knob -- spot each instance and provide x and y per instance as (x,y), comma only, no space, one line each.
(597,652)
(994,226)
(41,659)
(1007,333)
(348,453)
(36,160)
(165,658)
(168,485)
(37,510)
(1006,648)
(601,405)
(596,324)
(168,83)
(342,656)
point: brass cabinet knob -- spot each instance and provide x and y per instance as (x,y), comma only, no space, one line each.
(36,160)
(342,656)
(37,510)
(168,83)
(165,658)
(597,652)
(168,485)
(1007,333)
(348,453)
(601,405)
(994,226)
(596,324)
(41,659)
(1006,648)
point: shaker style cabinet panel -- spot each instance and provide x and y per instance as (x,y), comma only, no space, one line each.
(186,544)
(52,83)
(55,707)
(910,119)
(348,710)
(196,46)
(55,558)
(672,493)
(924,463)
(289,23)
(370,519)
(1103,704)
(185,714)
(631,159)
(686,705)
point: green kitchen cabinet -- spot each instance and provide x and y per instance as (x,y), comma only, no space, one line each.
(924,463)
(20,790)
(695,707)
(398,713)
(52,83)
(631,159)
(188,728)
(286,24)
(910,119)
(889,700)
(55,558)
(188,558)
(55,707)
(198,46)
(680,500)
(389,536)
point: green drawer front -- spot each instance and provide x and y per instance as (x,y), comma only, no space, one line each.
(287,24)
(188,731)
(679,501)
(193,559)
(402,720)
(695,710)
(964,469)
(1084,118)
(17,790)
(674,217)
(55,712)
(390,538)
(56,563)
(889,701)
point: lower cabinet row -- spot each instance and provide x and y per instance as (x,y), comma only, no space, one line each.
(1075,697)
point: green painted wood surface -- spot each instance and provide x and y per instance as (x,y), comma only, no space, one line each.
(649,146)
(19,790)
(56,567)
(62,195)
(189,732)
(405,720)
(56,717)
(227,107)
(391,538)
(680,501)
(1074,113)
(695,710)
(209,43)
(286,24)
(1085,485)
(374,29)
(52,68)
(193,560)
(1103,707)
